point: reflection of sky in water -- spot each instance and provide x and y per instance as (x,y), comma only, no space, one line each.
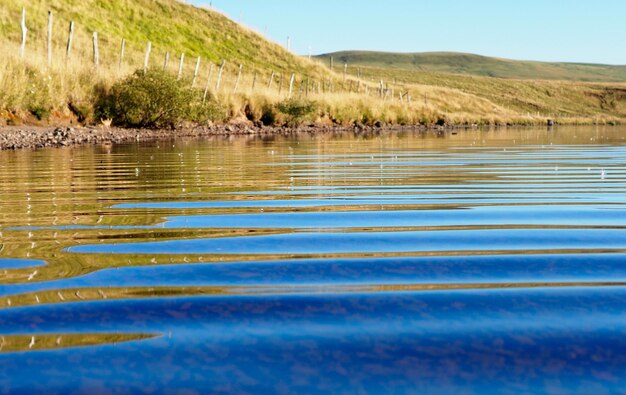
(484,262)
(19,263)
(379,242)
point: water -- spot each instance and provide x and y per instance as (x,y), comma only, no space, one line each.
(475,262)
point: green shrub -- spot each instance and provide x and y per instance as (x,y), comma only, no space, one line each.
(152,99)
(203,113)
(82,111)
(268,116)
(297,110)
(39,111)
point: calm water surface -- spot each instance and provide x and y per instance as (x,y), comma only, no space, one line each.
(480,262)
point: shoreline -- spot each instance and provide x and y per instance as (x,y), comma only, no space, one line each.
(36,137)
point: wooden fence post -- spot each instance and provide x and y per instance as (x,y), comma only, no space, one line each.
(96,52)
(253,81)
(166,62)
(180,66)
(345,73)
(219,77)
(195,72)
(146,60)
(49,38)
(208,81)
(269,84)
(331,63)
(238,79)
(70,37)
(122,48)
(293,78)
(24,33)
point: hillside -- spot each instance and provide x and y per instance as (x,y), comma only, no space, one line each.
(548,99)
(468,64)
(169,24)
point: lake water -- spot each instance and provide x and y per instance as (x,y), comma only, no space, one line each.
(477,262)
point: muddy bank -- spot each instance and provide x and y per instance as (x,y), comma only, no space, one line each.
(41,137)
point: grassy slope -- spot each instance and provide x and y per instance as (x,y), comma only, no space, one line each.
(169,24)
(560,99)
(458,63)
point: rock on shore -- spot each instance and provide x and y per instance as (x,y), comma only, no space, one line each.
(13,137)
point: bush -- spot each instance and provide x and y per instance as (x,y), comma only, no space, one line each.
(206,112)
(152,99)
(82,111)
(268,116)
(40,112)
(297,110)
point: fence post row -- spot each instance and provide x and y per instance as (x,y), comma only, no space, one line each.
(385,91)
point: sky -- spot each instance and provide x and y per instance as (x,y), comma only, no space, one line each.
(545,30)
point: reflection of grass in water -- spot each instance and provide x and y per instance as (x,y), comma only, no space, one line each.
(60,264)
(64,265)
(112,294)
(22,343)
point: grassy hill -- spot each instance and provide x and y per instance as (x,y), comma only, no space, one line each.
(32,91)
(539,98)
(170,25)
(468,64)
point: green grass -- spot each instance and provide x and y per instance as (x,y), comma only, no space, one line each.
(468,64)
(170,26)
(551,99)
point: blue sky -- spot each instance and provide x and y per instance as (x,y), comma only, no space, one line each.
(548,30)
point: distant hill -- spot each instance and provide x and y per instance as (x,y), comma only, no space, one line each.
(468,64)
